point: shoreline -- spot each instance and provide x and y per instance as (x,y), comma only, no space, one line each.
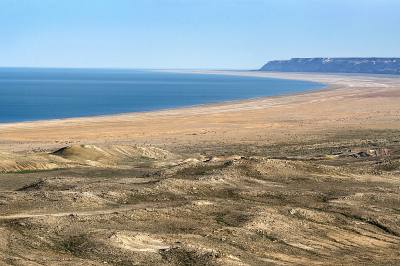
(345,103)
(293,179)
(189,107)
(327,80)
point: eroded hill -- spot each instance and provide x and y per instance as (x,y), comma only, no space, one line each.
(333,202)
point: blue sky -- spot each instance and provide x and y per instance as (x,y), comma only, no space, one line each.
(238,34)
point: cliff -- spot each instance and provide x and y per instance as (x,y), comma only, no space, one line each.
(336,65)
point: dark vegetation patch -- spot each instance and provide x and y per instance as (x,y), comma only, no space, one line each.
(233,218)
(33,171)
(38,185)
(199,170)
(182,256)
(78,245)
(48,186)
(153,197)
(387,166)
(329,143)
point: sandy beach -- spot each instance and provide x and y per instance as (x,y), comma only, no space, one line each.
(305,179)
(348,103)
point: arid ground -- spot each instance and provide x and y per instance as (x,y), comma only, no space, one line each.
(303,179)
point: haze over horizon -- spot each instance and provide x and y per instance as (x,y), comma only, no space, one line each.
(233,34)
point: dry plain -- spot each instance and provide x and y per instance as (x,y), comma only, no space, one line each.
(305,179)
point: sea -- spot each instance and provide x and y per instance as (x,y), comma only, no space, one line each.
(30,94)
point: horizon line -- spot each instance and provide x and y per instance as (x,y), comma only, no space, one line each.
(125,68)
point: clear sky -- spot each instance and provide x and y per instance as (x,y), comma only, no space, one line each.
(239,34)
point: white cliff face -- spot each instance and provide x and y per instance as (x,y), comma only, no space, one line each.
(372,65)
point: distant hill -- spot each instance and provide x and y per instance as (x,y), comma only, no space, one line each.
(371,65)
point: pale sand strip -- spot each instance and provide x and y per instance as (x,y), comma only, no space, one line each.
(349,103)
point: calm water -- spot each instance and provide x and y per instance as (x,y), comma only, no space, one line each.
(35,94)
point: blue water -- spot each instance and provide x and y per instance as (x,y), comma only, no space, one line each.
(36,94)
